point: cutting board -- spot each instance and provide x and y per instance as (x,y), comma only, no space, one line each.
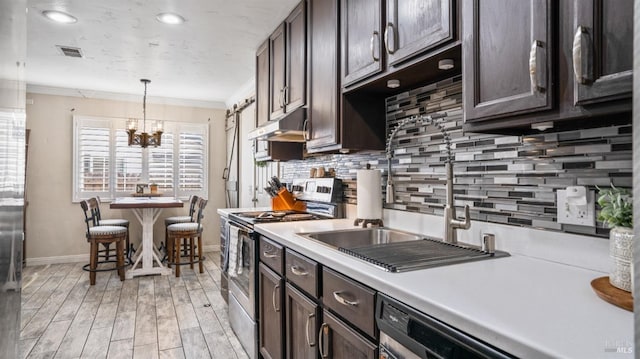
(611,294)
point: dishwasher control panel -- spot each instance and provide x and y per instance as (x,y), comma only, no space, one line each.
(406,333)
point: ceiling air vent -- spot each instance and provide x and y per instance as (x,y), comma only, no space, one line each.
(70,51)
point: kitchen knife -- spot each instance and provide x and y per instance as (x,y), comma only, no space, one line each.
(277,182)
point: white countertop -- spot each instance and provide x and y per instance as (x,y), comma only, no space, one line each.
(529,307)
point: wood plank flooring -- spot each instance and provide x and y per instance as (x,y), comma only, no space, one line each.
(156,317)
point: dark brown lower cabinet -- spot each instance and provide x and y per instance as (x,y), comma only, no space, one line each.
(338,340)
(271,309)
(301,322)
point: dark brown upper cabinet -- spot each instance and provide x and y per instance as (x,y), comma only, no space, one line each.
(262,84)
(579,76)
(288,70)
(414,26)
(379,36)
(602,50)
(266,150)
(324,78)
(508,57)
(361,39)
(336,122)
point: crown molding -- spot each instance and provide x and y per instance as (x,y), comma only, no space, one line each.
(104,95)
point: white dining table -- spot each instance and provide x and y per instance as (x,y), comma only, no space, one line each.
(147,210)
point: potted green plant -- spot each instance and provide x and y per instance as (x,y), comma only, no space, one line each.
(617,212)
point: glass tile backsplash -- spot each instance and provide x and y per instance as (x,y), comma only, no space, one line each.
(504,179)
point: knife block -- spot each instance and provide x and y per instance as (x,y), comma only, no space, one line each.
(285,202)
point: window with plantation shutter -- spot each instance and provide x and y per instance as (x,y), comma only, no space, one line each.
(161,163)
(104,165)
(128,164)
(92,165)
(191,161)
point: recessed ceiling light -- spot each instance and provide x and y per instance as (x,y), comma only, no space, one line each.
(170,18)
(59,16)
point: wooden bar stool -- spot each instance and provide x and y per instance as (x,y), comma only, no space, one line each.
(179,219)
(105,235)
(121,222)
(186,231)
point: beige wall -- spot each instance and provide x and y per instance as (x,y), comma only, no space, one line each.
(55,226)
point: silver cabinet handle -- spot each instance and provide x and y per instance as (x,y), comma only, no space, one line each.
(273,298)
(281,98)
(537,67)
(305,130)
(312,315)
(386,38)
(285,97)
(298,271)
(582,56)
(323,327)
(374,36)
(269,255)
(342,300)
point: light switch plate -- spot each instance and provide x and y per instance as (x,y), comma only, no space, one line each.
(578,215)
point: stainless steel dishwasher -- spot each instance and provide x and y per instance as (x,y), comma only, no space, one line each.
(408,334)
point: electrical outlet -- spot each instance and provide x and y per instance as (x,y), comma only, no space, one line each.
(581,215)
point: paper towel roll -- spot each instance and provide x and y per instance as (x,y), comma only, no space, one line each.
(369,194)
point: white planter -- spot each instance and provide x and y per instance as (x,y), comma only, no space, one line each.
(620,252)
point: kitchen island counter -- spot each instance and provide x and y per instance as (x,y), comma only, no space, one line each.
(529,307)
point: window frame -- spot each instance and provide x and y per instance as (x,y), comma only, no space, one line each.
(115,124)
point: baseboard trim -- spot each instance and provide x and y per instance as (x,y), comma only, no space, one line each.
(211,248)
(77,258)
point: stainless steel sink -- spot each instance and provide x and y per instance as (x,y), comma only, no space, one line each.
(360,237)
(397,251)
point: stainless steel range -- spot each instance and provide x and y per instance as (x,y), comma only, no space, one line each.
(322,197)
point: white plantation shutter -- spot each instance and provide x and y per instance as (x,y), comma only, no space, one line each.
(161,164)
(192,164)
(128,164)
(92,161)
(104,165)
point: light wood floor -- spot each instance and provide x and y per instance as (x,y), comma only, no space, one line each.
(145,317)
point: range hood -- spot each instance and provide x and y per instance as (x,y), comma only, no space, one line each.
(290,128)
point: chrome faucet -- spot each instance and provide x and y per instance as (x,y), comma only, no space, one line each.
(451,222)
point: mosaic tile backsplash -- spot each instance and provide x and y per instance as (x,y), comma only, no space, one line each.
(504,179)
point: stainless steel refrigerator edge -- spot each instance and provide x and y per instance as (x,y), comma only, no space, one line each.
(13,22)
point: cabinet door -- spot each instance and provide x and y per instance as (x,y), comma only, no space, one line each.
(277,66)
(361,39)
(507,59)
(301,319)
(337,340)
(296,63)
(271,329)
(324,105)
(262,83)
(414,26)
(602,50)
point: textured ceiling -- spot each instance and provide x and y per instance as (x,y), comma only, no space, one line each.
(208,58)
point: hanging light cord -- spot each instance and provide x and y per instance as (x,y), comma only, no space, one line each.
(144,107)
